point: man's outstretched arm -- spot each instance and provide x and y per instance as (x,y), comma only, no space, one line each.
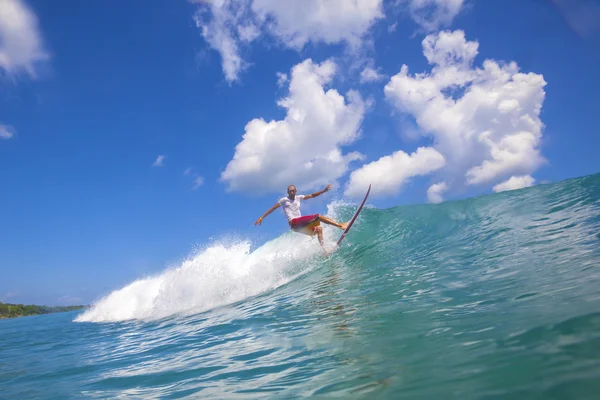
(315,194)
(269,211)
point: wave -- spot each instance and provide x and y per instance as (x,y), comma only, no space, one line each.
(537,227)
(217,275)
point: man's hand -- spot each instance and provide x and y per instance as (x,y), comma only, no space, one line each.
(258,221)
(310,196)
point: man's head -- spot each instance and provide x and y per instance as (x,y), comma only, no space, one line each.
(291,190)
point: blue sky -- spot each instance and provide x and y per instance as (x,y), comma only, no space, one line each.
(242,97)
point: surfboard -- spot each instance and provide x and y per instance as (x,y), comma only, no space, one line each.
(354,217)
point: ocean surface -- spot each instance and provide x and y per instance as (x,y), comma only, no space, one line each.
(495,297)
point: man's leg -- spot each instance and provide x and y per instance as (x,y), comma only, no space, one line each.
(312,230)
(319,232)
(329,221)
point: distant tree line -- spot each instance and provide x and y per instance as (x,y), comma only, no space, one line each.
(19,310)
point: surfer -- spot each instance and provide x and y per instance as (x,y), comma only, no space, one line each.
(308,224)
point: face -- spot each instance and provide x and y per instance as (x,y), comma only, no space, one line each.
(291,190)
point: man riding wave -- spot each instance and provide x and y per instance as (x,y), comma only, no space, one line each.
(309,224)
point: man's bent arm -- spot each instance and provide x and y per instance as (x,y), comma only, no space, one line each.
(315,194)
(269,211)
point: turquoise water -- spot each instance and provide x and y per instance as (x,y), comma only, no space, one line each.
(496,297)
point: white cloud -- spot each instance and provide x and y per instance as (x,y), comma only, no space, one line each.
(247,33)
(515,182)
(6,132)
(217,21)
(389,173)
(370,75)
(198,181)
(160,161)
(433,14)
(228,25)
(21,44)
(514,152)
(485,121)
(305,147)
(435,191)
(330,21)
(282,79)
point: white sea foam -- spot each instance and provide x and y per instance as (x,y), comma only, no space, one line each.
(217,275)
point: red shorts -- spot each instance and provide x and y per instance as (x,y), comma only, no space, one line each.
(297,224)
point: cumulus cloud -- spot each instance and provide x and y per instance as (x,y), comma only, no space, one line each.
(370,75)
(389,173)
(435,191)
(229,25)
(330,21)
(6,132)
(21,44)
(305,147)
(159,162)
(485,121)
(515,182)
(433,14)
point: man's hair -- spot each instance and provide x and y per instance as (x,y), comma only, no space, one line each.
(291,186)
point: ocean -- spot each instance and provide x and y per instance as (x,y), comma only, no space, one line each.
(494,297)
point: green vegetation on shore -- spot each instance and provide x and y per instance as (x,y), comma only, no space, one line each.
(19,310)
